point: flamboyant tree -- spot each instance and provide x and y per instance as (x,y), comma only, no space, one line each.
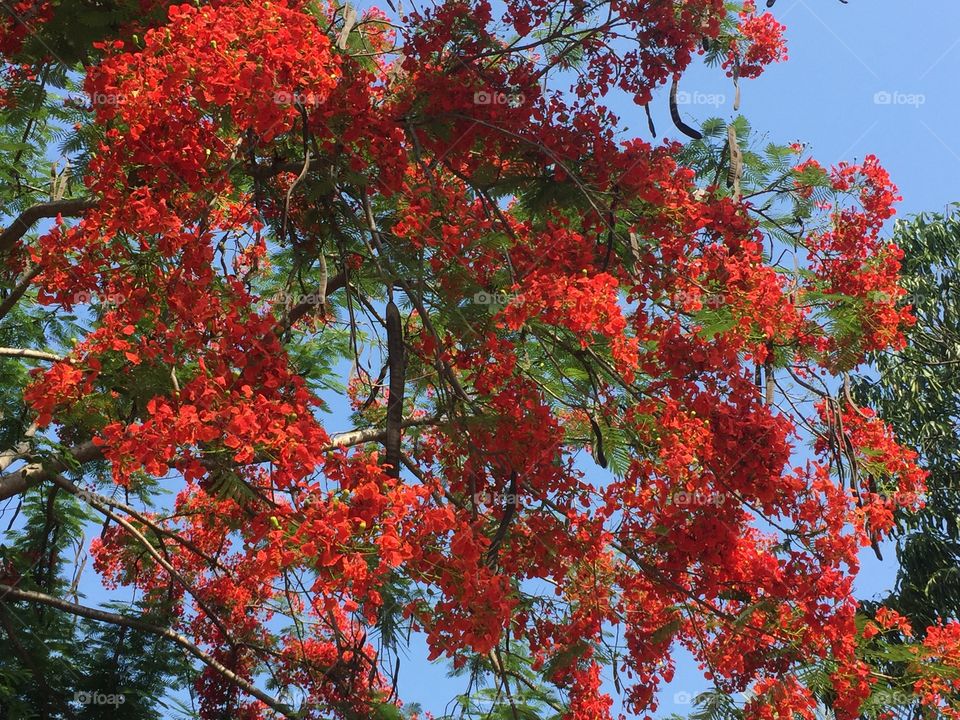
(251,201)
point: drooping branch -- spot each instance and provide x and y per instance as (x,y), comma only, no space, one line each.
(19,290)
(135,623)
(103,508)
(96,500)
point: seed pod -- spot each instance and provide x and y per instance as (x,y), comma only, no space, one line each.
(650,125)
(349,20)
(396,361)
(735,173)
(675,115)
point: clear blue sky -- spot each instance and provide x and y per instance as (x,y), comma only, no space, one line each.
(826,94)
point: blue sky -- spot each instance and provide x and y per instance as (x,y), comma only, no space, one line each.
(871,76)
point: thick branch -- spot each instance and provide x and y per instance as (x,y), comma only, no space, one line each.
(72,207)
(31,354)
(144,626)
(21,480)
(18,451)
(359,437)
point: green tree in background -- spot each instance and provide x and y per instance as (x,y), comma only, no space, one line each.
(918,392)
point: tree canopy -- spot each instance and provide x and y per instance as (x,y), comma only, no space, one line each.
(599,385)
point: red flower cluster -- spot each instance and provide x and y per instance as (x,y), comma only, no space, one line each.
(761,43)
(16,21)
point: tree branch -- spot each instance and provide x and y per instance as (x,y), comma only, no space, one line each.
(335,283)
(21,480)
(136,623)
(31,354)
(359,437)
(14,297)
(72,208)
(18,451)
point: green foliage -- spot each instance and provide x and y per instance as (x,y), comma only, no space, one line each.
(55,661)
(507,689)
(918,392)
